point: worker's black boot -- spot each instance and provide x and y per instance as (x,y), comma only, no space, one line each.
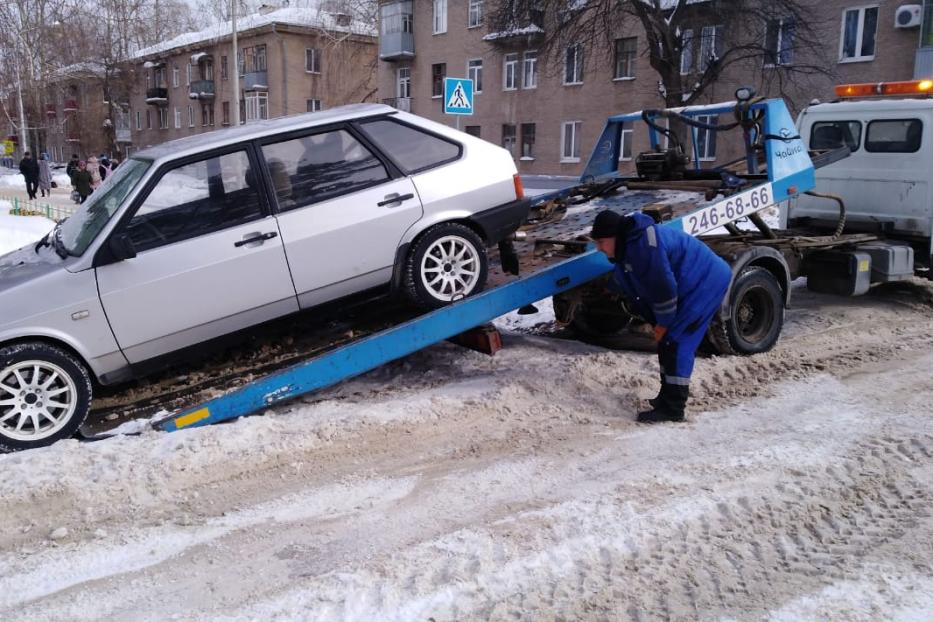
(670,405)
(656,401)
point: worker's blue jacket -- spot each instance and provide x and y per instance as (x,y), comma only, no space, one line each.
(671,278)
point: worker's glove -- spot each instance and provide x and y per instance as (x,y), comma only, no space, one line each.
(659,332)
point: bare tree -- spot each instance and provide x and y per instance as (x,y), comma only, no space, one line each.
(690,44)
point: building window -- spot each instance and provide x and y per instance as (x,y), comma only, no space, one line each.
(257,106)
(252,59)
(313,60)
(573,64)
(570,141)
(175,75)
(139,120)
(207,70)
(177,119)
(706,139)
(438,73)
(148,119)
(475,73)
(475,13)
(510,72)
(779,42)
(242,111)
(188,74)
(686,56)
(625,57)
(190,116)
(711,46)
(625,150)
(530,70)
(163,118)
(440,16)
(225,113)
(472,130)
(223,67)
(528,141)
(314,105)
(207,114)
(403,82)
(858,33)
(508,138)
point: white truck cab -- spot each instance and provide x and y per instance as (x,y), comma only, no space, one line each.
(885,182)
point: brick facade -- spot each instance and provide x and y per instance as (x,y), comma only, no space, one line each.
(552,103)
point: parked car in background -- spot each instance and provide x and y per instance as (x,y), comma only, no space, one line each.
(211,234)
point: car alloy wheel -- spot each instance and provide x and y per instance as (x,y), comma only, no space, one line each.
(450,268)
(37,399)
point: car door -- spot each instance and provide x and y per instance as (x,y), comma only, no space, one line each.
(209,260)
(342,212)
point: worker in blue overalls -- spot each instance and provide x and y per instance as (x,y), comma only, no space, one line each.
(671,280)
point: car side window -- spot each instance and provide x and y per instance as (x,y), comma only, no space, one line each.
(321,166)
(412,149)
(894,136)
(195,199)
(835,134)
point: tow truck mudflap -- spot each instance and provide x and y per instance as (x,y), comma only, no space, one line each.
(394,343)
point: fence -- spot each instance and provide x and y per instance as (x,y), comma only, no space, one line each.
(22,207)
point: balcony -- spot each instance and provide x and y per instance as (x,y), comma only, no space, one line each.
(513,35)
(71,105)
(923,63)
(123,135)
(399,103)
(256,81)
(73,137)
(157,96)
(396,38)
(201,89)
(50,110)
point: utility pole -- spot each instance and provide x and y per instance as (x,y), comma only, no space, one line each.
(236,68)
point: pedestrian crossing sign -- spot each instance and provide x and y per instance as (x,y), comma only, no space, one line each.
(458,96)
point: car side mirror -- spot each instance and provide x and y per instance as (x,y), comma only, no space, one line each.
(121,247)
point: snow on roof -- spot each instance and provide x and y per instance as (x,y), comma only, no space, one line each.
(310,17)
(87,68)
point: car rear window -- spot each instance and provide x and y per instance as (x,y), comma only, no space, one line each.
(412,149)
(835,134)
(894,136)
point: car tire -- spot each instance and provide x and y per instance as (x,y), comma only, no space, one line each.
(45,395)
(446,263)
(756,318)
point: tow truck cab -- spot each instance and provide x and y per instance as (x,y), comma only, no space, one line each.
(885,182)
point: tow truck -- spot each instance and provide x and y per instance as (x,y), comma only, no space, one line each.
(779,170)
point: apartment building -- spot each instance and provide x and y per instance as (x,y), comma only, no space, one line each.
(290,61)
(549,110)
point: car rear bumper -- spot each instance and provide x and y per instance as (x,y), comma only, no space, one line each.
(501,221)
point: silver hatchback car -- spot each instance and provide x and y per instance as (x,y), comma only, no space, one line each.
(208,235)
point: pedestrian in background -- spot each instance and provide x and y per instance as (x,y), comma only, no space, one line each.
(72,165)
(30,170)
(45,175)
(82,180)
(105,168)
(93,167)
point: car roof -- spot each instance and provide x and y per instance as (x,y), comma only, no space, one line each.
(198,143)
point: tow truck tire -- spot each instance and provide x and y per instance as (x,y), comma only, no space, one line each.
(45,392)
(756,318)
(447,263)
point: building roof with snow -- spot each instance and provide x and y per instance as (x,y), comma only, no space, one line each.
(317,18)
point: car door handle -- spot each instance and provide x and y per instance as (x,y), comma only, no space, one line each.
(255,237)
(395,198)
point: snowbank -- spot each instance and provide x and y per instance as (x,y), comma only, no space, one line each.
(18,231)
(13,180)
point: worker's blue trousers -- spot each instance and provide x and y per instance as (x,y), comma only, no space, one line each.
(676,353)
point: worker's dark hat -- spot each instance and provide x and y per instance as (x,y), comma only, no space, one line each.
(606,225)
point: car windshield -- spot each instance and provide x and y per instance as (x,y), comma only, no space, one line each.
(79,230)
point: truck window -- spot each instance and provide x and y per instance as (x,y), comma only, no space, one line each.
(835,134)
(893,136)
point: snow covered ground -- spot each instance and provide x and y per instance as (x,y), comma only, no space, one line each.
(455,486)
(17,231)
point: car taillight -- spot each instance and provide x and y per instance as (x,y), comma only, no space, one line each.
(519,190)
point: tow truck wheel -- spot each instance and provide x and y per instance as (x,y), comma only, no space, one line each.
(45,395)
(447,263)
(757,315)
